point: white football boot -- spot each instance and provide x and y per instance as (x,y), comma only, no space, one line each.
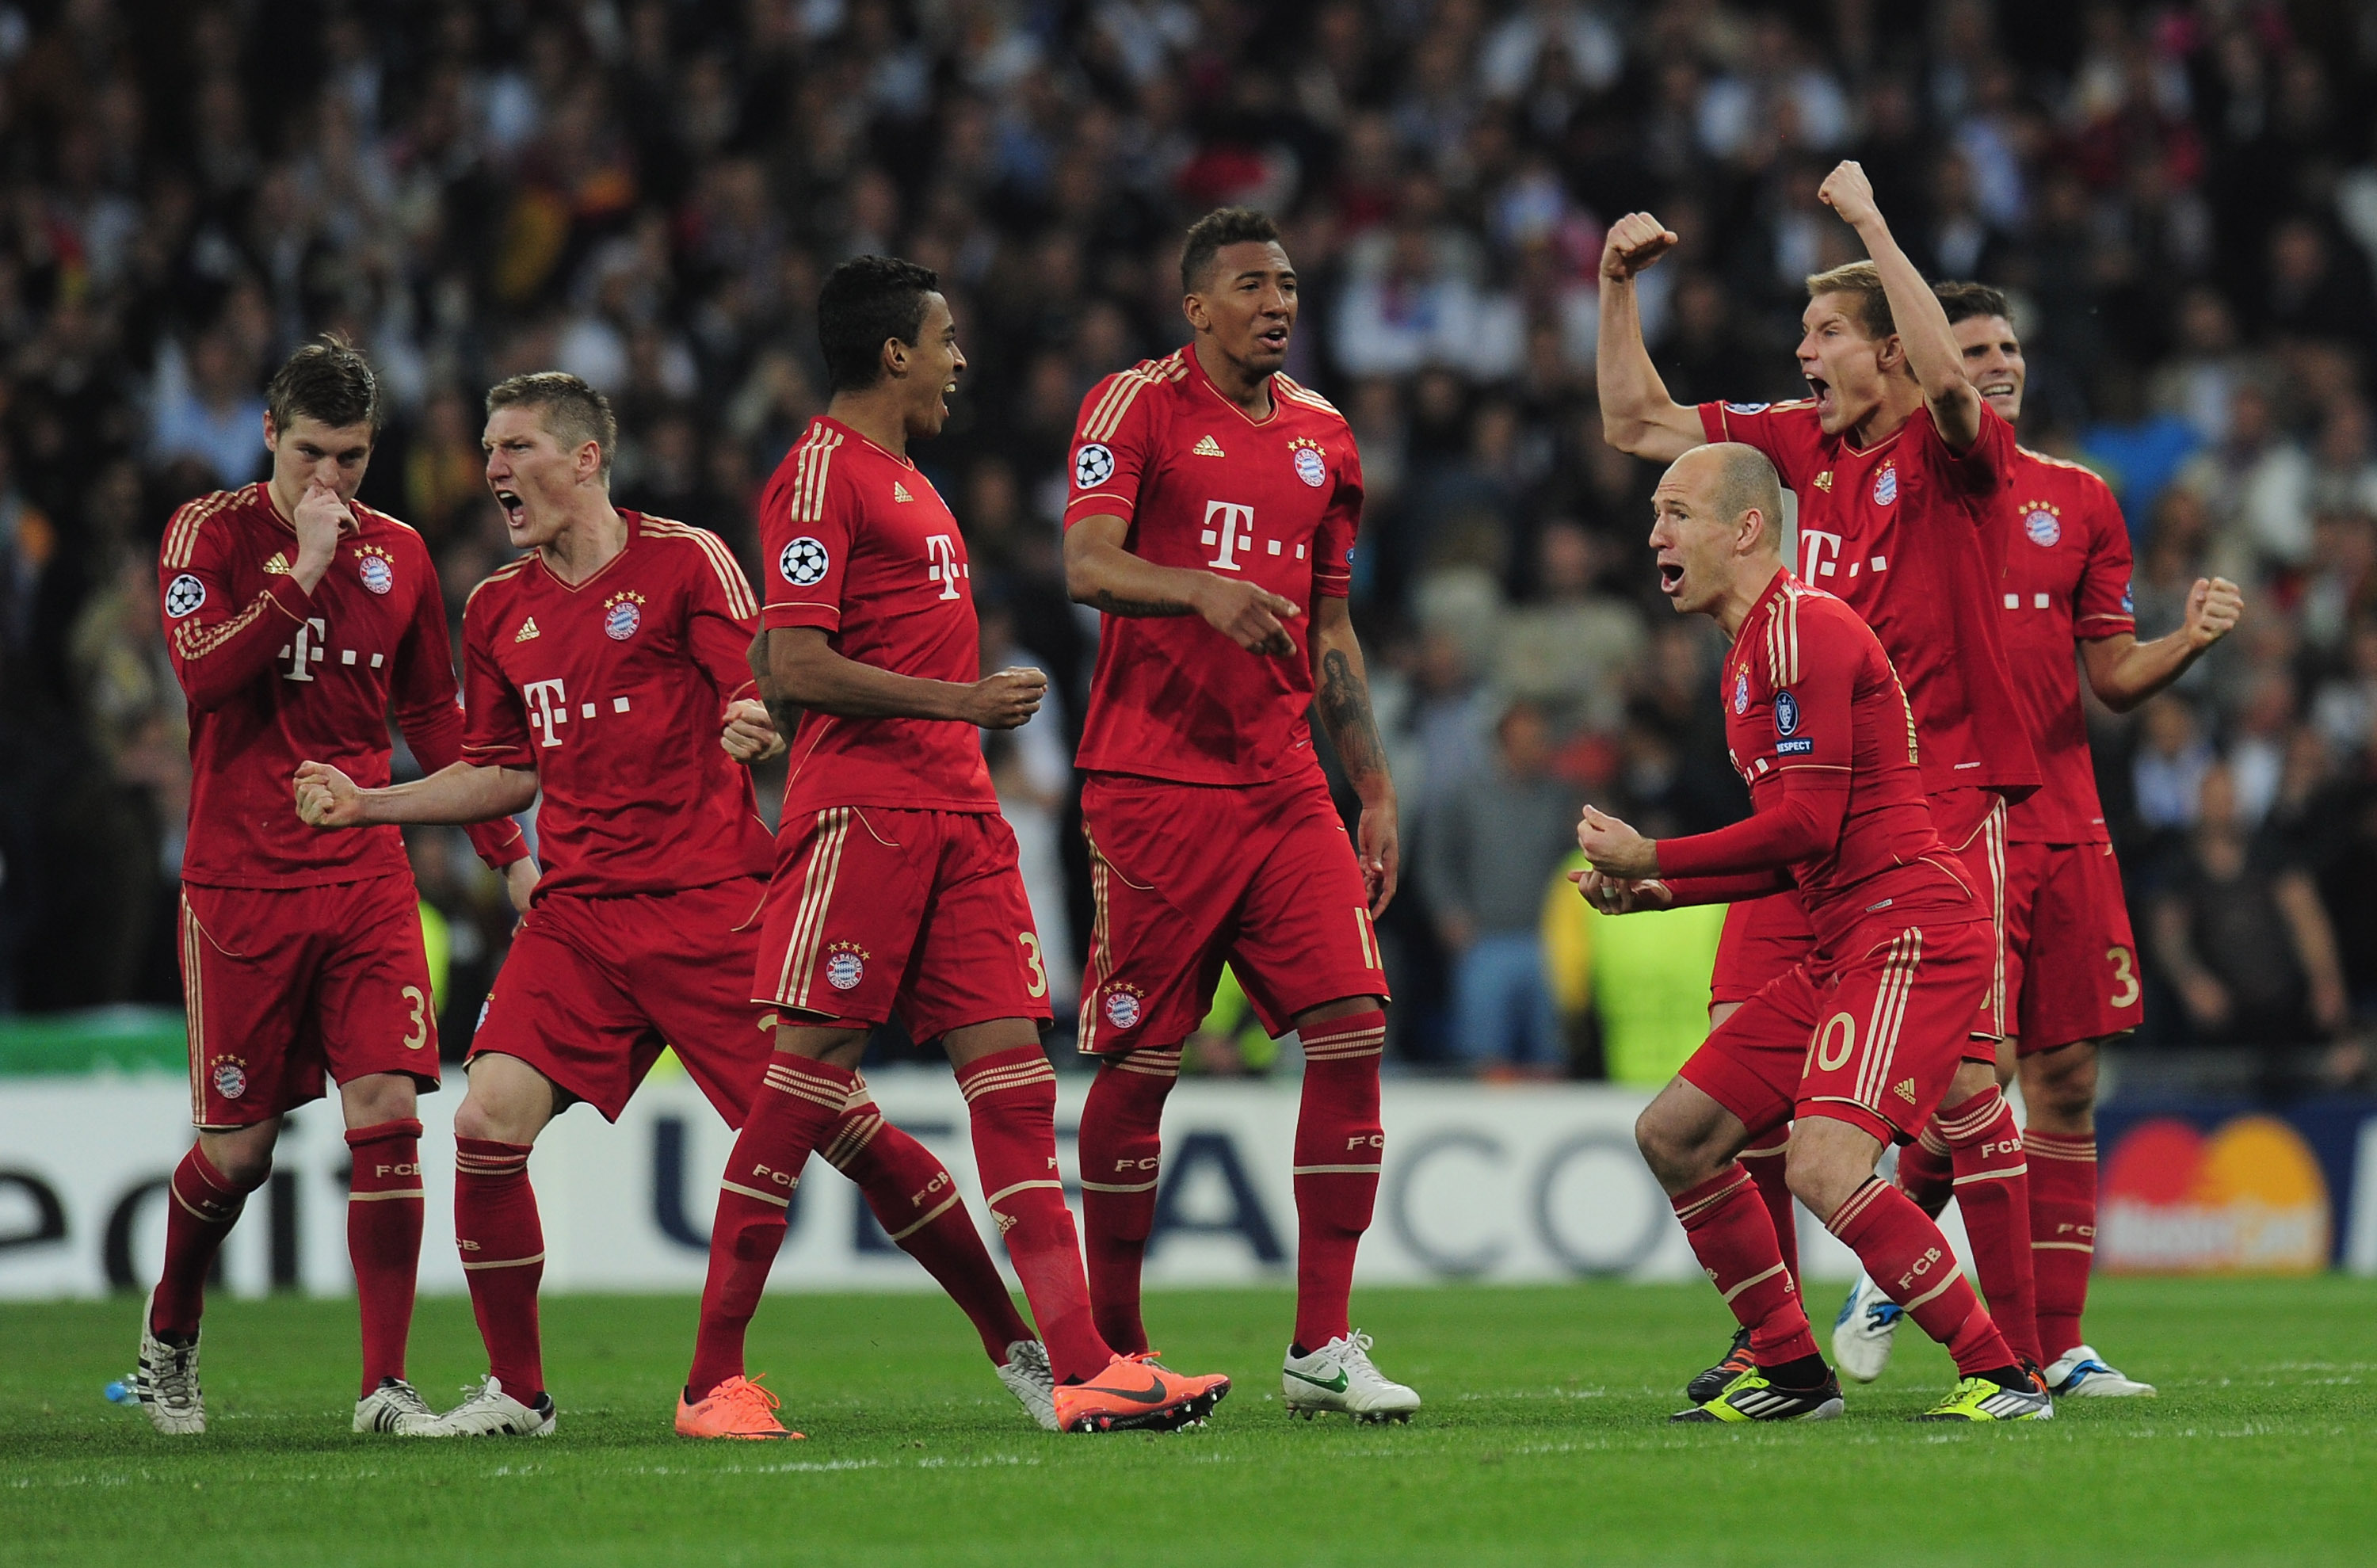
(394,1407)
(1339,1376)
(166,1380)
(2081,1371)
(1028,1377)
(1862,1334)
(490,1412)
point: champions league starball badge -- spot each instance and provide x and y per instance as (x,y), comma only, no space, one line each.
(1094,464)
(804,562)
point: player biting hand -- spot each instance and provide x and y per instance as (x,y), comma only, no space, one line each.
(296,618)
(1212,518)
(1901,471)
(896,887)
(600,665)
(2071,978)
(1860,1038)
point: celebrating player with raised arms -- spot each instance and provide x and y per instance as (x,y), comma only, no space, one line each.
(1857,1040)
(896,887)
(1213,517)
(2072,965)
(295,617)
(600,666)
(1901,471)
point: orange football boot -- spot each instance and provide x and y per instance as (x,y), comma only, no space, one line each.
(738,1407)
(1138,1393)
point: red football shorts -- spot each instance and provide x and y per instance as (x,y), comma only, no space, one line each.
(1764,938)
(595,988)
(1189,876)
(286,988)
(1871,1039)
(874,910)
(1973,823)
(2072,964)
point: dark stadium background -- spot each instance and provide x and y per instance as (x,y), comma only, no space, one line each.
(2182,200)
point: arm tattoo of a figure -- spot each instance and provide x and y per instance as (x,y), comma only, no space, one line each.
(1344,704)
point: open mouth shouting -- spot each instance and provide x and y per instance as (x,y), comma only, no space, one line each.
(515,510)
(1671,575)
(1822,390)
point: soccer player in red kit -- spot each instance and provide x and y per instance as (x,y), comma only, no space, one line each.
(599,666)
(1900,470)
(1857,1040)
(896,887)
(1213,517)
(296,618)
(2072,965)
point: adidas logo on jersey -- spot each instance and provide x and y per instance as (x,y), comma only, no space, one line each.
(1207,447)
(528,632)
(278,566)
(1905,1090)
(900,492)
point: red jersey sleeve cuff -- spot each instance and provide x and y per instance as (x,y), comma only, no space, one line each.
(504,754)
(1332,587)
(786,616)
(2110,624)
(1099,503)
(1713,422)
(499,843)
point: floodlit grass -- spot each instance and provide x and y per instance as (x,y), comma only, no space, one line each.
(1543,1440)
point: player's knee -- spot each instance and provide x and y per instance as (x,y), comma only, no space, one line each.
(2059,1087)
(1667,1148)
(382,1096)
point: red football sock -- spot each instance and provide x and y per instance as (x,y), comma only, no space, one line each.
(1993,1191)
(1733,1236)
(917,1203)
(205,1205)
(2062,1233)
(1339,1146)
(1926,1172)
(799,1098)
(1911,1261)
(1763,1160)
(1011,1100)
(1121,1140)
(502,1242)
(384,1210)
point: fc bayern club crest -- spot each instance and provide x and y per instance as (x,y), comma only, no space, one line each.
(2043,526)
(1310,466)
(1122,1008)
(377,575)
(1885,486)
(621,615)
(230,1077)
(845,965)
(1741,692)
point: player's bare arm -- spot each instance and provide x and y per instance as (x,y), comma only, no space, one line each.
(2124,672)
(1637,413)
(455,796)
(1102,573)
(803,669)
(1341,700)
(1932,351)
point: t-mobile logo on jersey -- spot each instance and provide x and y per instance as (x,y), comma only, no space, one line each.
(548,709)
(1820,557)
(1228,525)
(945,569)
(305,648)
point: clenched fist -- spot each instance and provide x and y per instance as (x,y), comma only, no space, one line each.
(751,735)
(1634,243)
(327,798)
(1005,700)
(1848,192)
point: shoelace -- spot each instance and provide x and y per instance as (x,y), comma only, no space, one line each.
(751,1400)
(173,1385)
(1358,1353)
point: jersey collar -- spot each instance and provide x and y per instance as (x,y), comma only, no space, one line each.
(635,521)
(1197,373)
(865,440)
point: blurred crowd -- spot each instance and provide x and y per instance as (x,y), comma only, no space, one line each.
(2182,200)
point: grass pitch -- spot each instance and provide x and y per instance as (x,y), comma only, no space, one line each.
(1543,1441)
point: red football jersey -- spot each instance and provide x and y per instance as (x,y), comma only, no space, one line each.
(1907,534)
(1811,704)
(613,690)
(2067,579)
(1204,487)
(276,676)
(859,544)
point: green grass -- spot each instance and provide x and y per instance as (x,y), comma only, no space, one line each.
(1543,1441)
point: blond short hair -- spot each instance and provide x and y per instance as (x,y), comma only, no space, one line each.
(1862,279)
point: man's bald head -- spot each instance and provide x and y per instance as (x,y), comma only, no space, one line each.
(1734,480)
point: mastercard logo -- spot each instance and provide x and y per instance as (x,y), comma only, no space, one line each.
(2249,1199)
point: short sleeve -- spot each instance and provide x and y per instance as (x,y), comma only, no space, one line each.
(1984,469)
(1788,433)
(1112,445)
(2103,605)
(804,532)
(1333,542)
(721,615)
(495,725)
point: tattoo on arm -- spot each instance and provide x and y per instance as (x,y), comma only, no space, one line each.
(1113,603)
(1344,703)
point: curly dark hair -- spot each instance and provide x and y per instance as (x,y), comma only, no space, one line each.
(1226,225)
(867,302)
